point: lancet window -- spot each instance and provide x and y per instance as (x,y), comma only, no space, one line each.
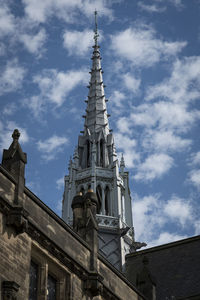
(99,193)
(88,153)
(107,201)
(33,285)
(51,288)
(101,153)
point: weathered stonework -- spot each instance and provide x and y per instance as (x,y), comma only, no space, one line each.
(30,232)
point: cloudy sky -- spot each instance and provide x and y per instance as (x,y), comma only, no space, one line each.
(151,63)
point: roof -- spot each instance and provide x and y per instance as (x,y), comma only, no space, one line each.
(175,266)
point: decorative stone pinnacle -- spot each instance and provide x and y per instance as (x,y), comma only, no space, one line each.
(122,162)
(16,134)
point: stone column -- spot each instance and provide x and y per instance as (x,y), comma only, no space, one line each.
(43,281)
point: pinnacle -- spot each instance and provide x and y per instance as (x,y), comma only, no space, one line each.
(16,135)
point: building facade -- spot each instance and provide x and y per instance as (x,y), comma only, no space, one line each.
(43,258)
(95,166)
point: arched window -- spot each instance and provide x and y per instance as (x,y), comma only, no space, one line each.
(88,153)
(107,201)
(123,206)
(99,196)
(101,153)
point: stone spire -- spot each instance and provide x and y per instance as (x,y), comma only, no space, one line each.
(95,166)
(96,118)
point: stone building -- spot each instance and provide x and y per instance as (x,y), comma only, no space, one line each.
(43,258)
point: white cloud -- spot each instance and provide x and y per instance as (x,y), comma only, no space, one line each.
(166,123)
(177,3)
(9,109)
(131,83)
(7,20)
(68,10)
(183,85)
(194,178)
(78,42)
(165,115)
(59,207)
(178,209)
(11,77)
(6,131)
(34,43)
(140,46)
(197,227)
(166,237)
(60,183)
(102,6)
(165,140)
(128,145)
(36,104)
(55,86)
(117,99)
(51,146)
(147,217)
(151,8)
(195,159)
(154,167)
(124,125)
(194,174)
(2,49)
(151,214)
(19,29)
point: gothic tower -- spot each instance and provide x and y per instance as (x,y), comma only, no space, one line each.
(95,166)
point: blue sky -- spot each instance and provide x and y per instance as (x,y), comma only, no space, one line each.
(151,62)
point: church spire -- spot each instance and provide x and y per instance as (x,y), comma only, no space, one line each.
(95,165)
(96,118)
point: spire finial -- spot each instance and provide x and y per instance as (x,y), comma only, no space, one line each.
(122,162)
(96,28)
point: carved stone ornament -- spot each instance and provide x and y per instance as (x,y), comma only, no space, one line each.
(17,217)
(10,289)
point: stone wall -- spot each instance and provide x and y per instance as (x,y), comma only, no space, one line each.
(29,230)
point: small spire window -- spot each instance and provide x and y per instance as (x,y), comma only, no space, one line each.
(107,201)
(101,153)
(88,153)
(99,194)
